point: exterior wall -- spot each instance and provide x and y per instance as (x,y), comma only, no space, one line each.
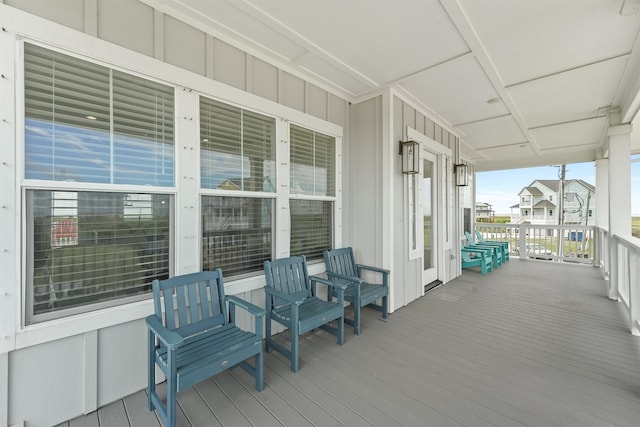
(72,366)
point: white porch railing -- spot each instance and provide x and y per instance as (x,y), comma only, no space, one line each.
(562,243)
(618,257)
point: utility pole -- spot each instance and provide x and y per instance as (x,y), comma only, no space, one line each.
(562,173)
(560,247)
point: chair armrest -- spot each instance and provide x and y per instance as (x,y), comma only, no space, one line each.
(371,268)
(171,339)
(343,277)
(288,298)
(482,252)
(251,308)
(257,312)
(340,286)
(332,283)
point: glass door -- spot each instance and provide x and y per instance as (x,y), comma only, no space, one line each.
(430,216)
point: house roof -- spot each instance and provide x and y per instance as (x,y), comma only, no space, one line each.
(551,184)
(544,204)
(534,191)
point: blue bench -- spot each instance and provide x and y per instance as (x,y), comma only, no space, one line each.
(191,337)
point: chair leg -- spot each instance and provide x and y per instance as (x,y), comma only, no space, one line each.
(341,329)
(267,332)
(385,306)
(151,369)
(171,392)
(259,371)
(356,317)
(294,348)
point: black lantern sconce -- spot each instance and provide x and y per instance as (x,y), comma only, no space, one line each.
(461,172)
(410,151)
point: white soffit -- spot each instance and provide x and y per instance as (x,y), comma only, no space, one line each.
(332,75)
(467,152)
(458,90)
(492,132)
(384,39)
(530,39)
(583,132)
(572,95)
(523,150)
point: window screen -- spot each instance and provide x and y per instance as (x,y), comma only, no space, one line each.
(91,247)
(236,233)
(311,227)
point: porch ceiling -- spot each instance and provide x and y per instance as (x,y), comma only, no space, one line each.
(553,69)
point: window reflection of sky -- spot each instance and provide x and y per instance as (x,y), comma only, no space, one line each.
(63,152)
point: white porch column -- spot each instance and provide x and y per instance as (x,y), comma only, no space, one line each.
(602,214)
(619,194)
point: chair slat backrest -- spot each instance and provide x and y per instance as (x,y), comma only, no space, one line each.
(288,276)
(470,238)
(341,261)
(185,302)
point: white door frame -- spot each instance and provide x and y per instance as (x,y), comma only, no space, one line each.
(444,157)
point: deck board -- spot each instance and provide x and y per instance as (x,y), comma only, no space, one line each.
(532,343)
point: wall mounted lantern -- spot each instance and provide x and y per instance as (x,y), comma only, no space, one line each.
(410,151)
(461,171)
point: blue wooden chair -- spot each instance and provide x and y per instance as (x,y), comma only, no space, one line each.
(191,337)
(480,240)
(292,301)
(341,265)
(477,258)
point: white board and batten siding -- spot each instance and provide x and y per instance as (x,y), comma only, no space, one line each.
(57,370)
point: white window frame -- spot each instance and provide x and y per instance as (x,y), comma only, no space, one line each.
(49,34)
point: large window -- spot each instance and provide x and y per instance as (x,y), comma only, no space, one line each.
(88,123)
(237,156)
(312,187)
(85,122)
(88,247)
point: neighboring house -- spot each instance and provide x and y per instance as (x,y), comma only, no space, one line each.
(484,211)
(539,203)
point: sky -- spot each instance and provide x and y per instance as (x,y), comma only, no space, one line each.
(500,188)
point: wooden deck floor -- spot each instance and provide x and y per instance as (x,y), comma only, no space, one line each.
(534,343)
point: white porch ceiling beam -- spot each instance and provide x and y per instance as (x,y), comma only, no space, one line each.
(468,33)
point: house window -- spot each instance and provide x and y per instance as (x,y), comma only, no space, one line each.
(89,250)
(237,154)
(590,213)
(312,191)
(236,233)
(551,198)
(550,212)
(88,123)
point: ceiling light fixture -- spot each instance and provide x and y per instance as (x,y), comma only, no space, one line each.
(91,117)
(493,100)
